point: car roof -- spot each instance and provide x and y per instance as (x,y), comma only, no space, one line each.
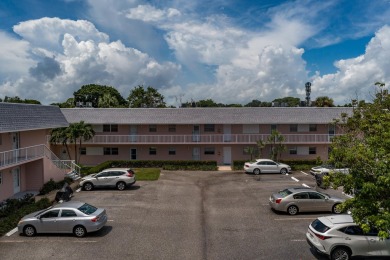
(336,220)
(263,160)
(299,189)
(115,169)
(69,204)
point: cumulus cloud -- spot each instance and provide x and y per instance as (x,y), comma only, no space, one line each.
(149,13)
(81,55)
(356,76)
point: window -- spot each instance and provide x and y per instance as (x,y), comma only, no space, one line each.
(68,213)
(353,230)
(172,151)
(313,128)
(273,128)
(110,128)
(293,150)
(152,128)
(209,150)
(1,178)
(51,214)
(110,151)
(152,150)
(312,150)
(293,128)
(209,128)
(0,139)
(83,150)
(316,196)
(171,128)
(302,195)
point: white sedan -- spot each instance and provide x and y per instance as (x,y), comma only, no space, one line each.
(266,166)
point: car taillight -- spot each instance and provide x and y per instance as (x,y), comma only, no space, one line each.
(278,201)
(130,174)
(321,236)
(95,219)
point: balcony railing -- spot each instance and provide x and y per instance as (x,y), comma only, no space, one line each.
(206,139)
(22,155)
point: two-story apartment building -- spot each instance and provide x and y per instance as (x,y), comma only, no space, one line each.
(219,134)
(26,162)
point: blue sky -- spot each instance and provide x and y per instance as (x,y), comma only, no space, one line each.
(229,51)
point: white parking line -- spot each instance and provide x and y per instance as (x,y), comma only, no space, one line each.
(78,190)
(13,231)
(283,219)
(304,173)
(295,179)
(298,240)
(304,185)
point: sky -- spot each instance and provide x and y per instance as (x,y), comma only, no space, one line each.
(231,51)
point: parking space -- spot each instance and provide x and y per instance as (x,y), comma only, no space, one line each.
(184,215)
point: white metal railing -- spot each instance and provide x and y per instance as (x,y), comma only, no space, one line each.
(21,155)
(215,138)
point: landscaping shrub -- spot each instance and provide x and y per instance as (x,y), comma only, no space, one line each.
(52,185)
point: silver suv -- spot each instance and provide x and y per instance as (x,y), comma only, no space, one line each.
(340,238)
(113,177)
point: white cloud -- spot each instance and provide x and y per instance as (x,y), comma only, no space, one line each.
(356,76)
(148,13)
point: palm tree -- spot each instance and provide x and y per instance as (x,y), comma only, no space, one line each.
(108,100)
(277,147)
(250,150)
(79,132)
(60,136)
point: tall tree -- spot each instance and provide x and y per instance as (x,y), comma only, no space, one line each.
(107,100)
(323,101)
(365,149)
(60,136)
(93,92)
(287,101)
(17,99)
(258,103)
(277,147)
(140,97)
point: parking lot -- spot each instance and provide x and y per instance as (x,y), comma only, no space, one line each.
(184,215)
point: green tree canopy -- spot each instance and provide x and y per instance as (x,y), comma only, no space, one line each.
(288,101)
(365,149)
(93,93)
(323,101)
(140,97)
(17,99)
(258,103)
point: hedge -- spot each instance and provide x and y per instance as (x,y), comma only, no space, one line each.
(164,164)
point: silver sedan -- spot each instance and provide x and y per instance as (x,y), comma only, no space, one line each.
(266,166)
(295,200)
(74,217)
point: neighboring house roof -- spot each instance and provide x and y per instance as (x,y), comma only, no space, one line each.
(25,117)
(246,115)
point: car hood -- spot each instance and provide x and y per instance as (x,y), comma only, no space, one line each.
(32,215)
(89,176)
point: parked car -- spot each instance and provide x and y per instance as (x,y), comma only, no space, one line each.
(266,166)
(326,168)
(74,217)
(340,238)
(113,177)
(322,172)
(301,199)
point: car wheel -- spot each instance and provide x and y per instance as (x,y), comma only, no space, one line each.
(335,209)
(88,186)
(79,231)
(292,210)
(283,171)
(256,171)
(29,231)
(340,253)
(121,185)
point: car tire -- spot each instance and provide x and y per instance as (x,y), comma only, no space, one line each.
(335,210)
(79,231)
(283,171)
(256,171)
(88,186)
(292,210)
(29,231)
(121,185)
(340,253)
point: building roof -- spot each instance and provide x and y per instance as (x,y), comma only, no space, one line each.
(25,117)
(231,115)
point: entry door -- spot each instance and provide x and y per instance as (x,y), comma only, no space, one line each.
(196,153)
(227,133)
(16,178)
(196,133)
(331,132)
(15,145)
(133,133)
(227,155)
(133,154)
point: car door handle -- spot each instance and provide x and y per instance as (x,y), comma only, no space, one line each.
(347,238)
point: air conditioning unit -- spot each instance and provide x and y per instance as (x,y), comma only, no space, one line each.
(79,104)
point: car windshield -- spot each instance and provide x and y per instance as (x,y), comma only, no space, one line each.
(87,209)
(319,226)
(284,192)
(39,212)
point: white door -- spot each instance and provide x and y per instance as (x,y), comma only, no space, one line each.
(133,133)
(227,155)
(227,133)
(196,153)
(196,133)
(16,177)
